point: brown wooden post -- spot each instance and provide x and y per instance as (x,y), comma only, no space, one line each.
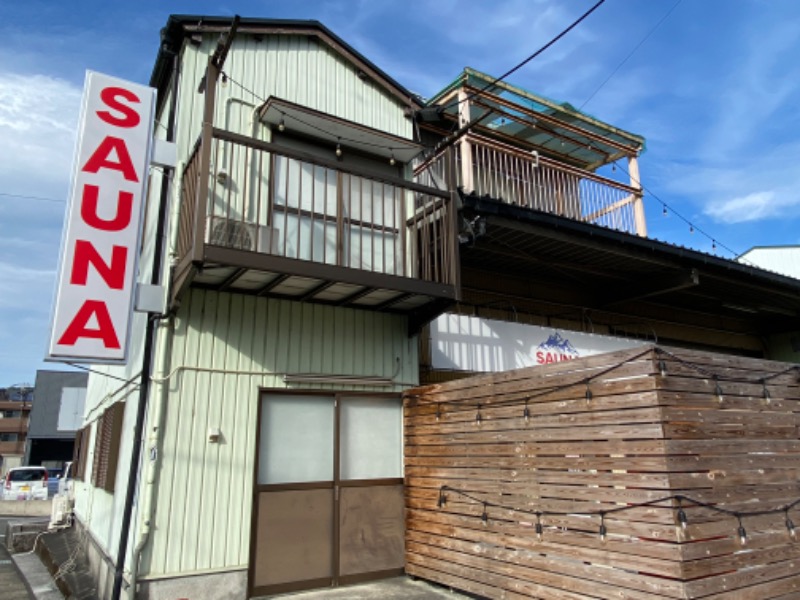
(206,140)
(638,203)
(467,180)
(452,221)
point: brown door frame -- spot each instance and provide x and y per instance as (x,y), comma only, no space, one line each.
(336,484)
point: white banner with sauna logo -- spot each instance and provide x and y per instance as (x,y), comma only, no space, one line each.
(464,343)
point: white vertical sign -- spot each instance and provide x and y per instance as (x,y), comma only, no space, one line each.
(100,248)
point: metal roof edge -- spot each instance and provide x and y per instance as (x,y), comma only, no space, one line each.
(175,30)
(597,232)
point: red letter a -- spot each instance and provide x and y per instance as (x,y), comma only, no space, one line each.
(99,160)
(77,328)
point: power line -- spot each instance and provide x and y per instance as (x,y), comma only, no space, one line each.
(632,52)
(24,197)
(530,58)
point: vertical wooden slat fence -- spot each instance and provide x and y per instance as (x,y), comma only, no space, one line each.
(625,444)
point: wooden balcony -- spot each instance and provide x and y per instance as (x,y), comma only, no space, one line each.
(263,219)
(14,405)
(11,448)
(14,425)
(490,168)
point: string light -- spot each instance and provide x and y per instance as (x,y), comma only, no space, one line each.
(790,525)
(438,412)
(614,167)
(664,210)
(603,532)
(485,515)
(767,396)
(588,394)
(540,529)
(224,80)
(681,513)
(282,126)
(526,413)
(741,531)
(718,390)
(338,148)
(391,160)
(662,367)
(691,228)
(478,417)
(442,498)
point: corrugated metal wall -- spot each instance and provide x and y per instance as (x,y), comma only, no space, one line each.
(296,68)
(204,490)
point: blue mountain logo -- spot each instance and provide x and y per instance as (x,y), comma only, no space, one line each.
(558,344)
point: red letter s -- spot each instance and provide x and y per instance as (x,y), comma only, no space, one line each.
(130,117)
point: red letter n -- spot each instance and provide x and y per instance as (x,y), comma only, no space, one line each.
(113,274)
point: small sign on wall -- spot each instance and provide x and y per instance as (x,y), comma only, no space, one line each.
(464,343)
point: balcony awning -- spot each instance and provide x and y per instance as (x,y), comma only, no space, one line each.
(310,122)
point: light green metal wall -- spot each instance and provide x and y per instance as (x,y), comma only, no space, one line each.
(295,68)
(204,490)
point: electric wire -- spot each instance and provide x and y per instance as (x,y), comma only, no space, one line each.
(529,59)
(632,52)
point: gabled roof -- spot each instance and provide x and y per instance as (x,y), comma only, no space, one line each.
(179,27)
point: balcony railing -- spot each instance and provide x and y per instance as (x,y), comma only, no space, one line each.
(9,448)
(254,213)
(13,425)
(503,172)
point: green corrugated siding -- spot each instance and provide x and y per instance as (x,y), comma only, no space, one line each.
(204,490)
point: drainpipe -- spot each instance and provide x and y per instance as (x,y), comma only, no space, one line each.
(149,343)
(152,467)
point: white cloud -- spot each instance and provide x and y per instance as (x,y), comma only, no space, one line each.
(38,116)
(752,207)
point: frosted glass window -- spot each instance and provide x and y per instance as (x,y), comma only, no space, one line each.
(296,439)
(371,438)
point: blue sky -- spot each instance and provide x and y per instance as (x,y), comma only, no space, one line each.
(715,90)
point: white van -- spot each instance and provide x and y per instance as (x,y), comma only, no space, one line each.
(25,483)
(65,483)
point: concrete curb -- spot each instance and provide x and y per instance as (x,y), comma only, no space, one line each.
(25,508)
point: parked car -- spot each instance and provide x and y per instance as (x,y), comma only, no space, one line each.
(65,483)
(25,483)
(53,477)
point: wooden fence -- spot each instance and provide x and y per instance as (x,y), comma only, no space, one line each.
(644,473)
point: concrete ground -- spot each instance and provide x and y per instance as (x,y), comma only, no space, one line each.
(22,575)
(397,588)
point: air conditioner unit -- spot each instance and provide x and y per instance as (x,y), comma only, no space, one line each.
(61,511)
(232,233)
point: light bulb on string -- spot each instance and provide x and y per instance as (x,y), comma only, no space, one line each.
(478,416)
(392,160)
(718,390)
(681,513)
(282,126)
(539,528)
(484,516)
(790,526)
(603,532)
(442,498)
(588,395)
(438,412)
(691,228)
(662,367)
(664,210)
(741,532)
(766,395)
(338,148)
(526,413)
